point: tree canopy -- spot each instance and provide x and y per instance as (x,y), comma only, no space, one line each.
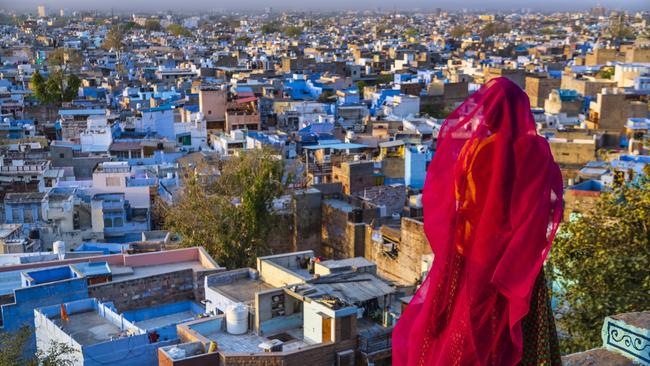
(64,59)
(494,28)
(115,38)
(271,27)
(411,32)
(601,264)
(56,89)
(152,25)
(178,30)
(13,351)
(618,28)
(232,216)
(292,31)
(458,31)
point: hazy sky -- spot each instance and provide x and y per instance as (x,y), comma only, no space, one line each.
(207,5)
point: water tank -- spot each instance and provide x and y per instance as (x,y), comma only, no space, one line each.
(237,319)
(58,247)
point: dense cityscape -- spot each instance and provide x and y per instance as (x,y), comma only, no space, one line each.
(245,187)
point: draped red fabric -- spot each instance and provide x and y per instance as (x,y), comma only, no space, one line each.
(492,203)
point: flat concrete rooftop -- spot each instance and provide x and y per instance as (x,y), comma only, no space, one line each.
(249,342)
(242,289)
(88,328)
(164,320)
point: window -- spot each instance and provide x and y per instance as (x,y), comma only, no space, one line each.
(61,155)
(122,155)
(210,112)
(15,214)
(108,222)
(118,222)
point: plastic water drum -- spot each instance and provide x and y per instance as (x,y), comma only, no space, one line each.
(237,319)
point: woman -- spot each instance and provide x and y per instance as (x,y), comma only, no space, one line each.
(492,203)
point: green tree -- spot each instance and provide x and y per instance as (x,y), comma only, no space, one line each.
(493,28)
(458,31)
(12,348)
(411,32)
(439,112)
(130,25)
(231,217)
(115,39)
(13,351)
(271,27)
(56,89)
(152,25)
(37,84)
(600,262)
(178,30)
(292,31)
(385,78)
(61,85)
(71,90)
(64,59)
(606,72)
(618,28)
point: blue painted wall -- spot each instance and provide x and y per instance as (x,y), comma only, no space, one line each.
(21,313)
(415,168)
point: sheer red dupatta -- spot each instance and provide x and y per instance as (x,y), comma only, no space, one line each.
(492,203)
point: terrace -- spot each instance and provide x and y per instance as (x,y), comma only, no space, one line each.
(88,328)
(213,330)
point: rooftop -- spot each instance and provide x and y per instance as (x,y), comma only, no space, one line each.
(242,289)
(30,197)
(250,342)
(88,328)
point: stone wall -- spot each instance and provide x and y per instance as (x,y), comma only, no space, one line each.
(538,88)
(298,229)
(573,153)
(405,268)
(393,167)
(354,175)
(307,221)
(153,290)
(317,355)
(586,87)
(280,238)
(341,238)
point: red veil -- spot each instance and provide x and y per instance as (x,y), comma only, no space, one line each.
(492,203)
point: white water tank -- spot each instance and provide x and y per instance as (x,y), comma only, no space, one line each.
(58,247)
(237,319)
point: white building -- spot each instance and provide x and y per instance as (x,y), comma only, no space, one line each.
(401,106)
(97,137)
